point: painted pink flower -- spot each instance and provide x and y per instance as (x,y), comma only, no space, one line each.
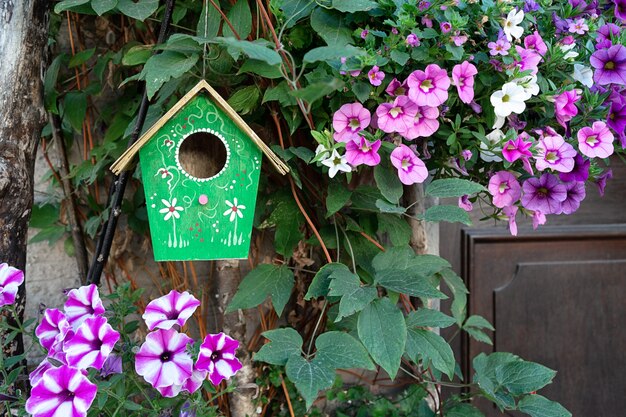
(92,344)
(217,356)
(511,212)
(575,194)
(363,152)
(463,78)
(517,149)
(596,141)
(425,123)
(397,116)
(429,87)
(528,59)
(10,280)
(169,310)
(349,120)
(499,47)
(544,194)
(504,188)
(535,42)
(396,88)
(555,153)
(376,76)
(163,360)
(61,392)
(565,106)
(53,326)
(82,303)
(411,169)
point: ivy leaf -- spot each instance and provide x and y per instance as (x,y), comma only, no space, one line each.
(309,377)
(75,108)
(162,67)
(265,279)
(330,53)
(136,55)
(431,347)
(453,187)
(425,317)
(283,344)
(451,214)
(354,296)
(321,281)
(338,196)
(255,50)
(382,330)
(140,10)
(539,406)
(352,6)
(103,6)
(485,372)
(240,17)
(388,182)
(342,351)
(330,27)
(396,227)
(524,377)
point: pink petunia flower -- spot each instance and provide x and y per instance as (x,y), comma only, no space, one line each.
(92,344)
(556,154)
(463,78)
(504,188)
(53,326)
(596,141)
(376,76)
(169,310)
(411,169)
(539,219)
(194,382)
(217,356)
(349,120)
(535,42)
(363,152)
(544,194)
(82,303)
(565,106)
(62,391)
(517,149)
(163,360)
(429,87)
(528,59)
(397,116)
(465,203)
(10,280)
(511,212)
(412,40)
(578,26)
(396,88)
(445,27)
(425,123)
(459,40)
(499,47)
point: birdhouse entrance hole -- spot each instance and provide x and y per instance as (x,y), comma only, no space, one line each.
(202,155)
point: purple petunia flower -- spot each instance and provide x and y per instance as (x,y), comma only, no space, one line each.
(92,344)
(535,42)
(602,179)
(169,310)
(465,203)
(194,382)
(364,33)
(575,193)
(511,212)
(538,219)
(565,106)
(349,120)
(616,118)
(530,6)
(504,188)
(82,303)
(529,59)
(429,87)
(53,327)
(112,365)
(544,194)
(578,26)
(620,9)
(610,65)
(555,153)
(606,32)
(410,168)
(217,357)
(596,141)
(363,152)
(580,171)
(10,280)
(376,76)
(62,391)
(163,360)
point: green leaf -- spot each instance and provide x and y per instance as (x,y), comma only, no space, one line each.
(315,91)
(265,279)
(382,330)
(309,377)
(400,57)
(245,100)
(403,257)
(68,4)
(49,84)
(478,335)
(321,281)
(261,68)
(44,216)
(50,234)
(338,196)
(330,53)
(478,322)
(425,317)
(386,207)
(140,9)
(352,6)
(330,27)
(209,22)
(255,50)
(103,6)
(464,410)
(164,66)
(136,55)
(295,10)
(459,292)
(388,182)
(354,296)
(396,227)
(524,377)
(362,90)
(342,351)
(280,93)
(539,406)
(240,17)
(81,57)
(409,282)
(75,108)
(283,344)
(451,214)
(431,346)
(287,218)
(453,187)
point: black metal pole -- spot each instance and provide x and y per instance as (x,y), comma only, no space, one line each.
(116,193)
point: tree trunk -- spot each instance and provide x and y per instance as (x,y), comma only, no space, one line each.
(23,38)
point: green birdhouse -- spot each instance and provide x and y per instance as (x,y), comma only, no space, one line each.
(200,165)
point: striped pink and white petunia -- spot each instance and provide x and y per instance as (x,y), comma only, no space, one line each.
(163,360)
(92,344)
(53,328)
(191,385)
(62,391)
(173,308)
(82,303)
(10,280)
(217,356)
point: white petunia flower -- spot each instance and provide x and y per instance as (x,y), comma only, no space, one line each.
(529,84)
(234,209)
(511,99)
(336,163)
(171,209)
(489,150)
(321,152)
(583,75)
(511,27)
(567,49)
(499,122)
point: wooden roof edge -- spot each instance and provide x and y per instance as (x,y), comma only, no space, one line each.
(123,162)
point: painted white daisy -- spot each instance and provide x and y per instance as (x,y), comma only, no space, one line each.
(511,27)
(171,209)
(234,209)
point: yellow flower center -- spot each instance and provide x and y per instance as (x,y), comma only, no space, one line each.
(395,111)
(592,140)
(426,85)
(609,65)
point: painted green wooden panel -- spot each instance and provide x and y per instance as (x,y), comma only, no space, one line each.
(182,228)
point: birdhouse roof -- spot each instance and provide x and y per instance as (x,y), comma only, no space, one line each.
(124,161)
